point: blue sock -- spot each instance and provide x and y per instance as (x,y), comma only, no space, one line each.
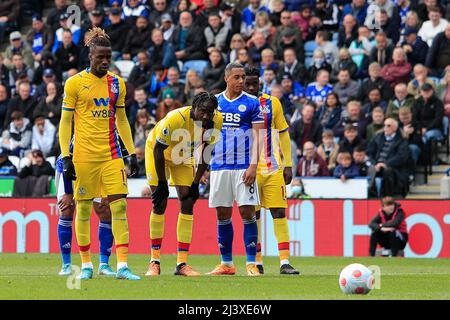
(65,239)
(250,238)
(105,238)
(225,239)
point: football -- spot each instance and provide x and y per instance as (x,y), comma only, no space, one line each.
(356,279)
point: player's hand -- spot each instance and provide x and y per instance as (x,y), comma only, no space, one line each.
(249,175)
(287,174)
(133,165)
(66,202)
(160,194)
(194,192)
(69,169)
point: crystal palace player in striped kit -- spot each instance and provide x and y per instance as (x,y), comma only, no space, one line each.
(272,178)
(95,99)
(233,169)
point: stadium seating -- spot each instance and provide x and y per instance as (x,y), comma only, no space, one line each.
(125,67)
(197,65)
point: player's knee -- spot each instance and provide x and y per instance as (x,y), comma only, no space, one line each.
(187,206)
(67,213)
(278,213)
(84,208)
(103,212)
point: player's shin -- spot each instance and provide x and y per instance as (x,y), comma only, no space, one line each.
(83,231)
(120,230)
(156,235)
(282,234)
(225,239)
(65,239)
(184,235)
(250,239)
(259,260)
(105,237)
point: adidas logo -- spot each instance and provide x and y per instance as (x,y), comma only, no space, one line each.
(252,198)
(251,245)
(67,245)
(109,250)
(221,246)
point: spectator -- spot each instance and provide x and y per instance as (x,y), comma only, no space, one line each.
(206,8)
(374,101)
(4,73)
(47,77)
(345,62)
(292,66)
(290,39)
(389,228)
(360,50)
(214,72)
(428,111)
(64,25)
(141,72)
(353,115)
(47,62)
(412,20)
(318,63)
(40,37)
(292,91)
(167,26)
(140,156)
(67,54)
(6,166)
(161,51)
(345,88)
(117,32)
(328,13)
(358,9)
(361,160)
(167,104)
(4,101)
(374,81)
(328,150)
(401,99)
(17,71)
(420,78)
(443,93)
(424,9)
(243,57)
(330,112)
(378,6)
(142,120)
(173,76)
(192,82)
(9,14)
(18,47)
(415,48)
(306,128)
(351,139)
(390,26)
(268,61)
(260,44)
(89,6)
(288,107)
(17,135)
(276,7)
(329,48)
(141,103)
(188,40)
(160,9)
(268,80)
(382,52)
(34,180)
(376,125)
(138,39)
(399,70)
(43,135)
(50,104)
(263,25)
(432,27)
(402,9)
(217,35)
(237,42)
(249,15)
(95,18)
(438,57)
(389,154)
(230,16)
(348,32)
(23,102)
(319,90)
(158,80)
(55,13)
(132,10)
(346,169)
(411,132)
(311,164)
(302,21)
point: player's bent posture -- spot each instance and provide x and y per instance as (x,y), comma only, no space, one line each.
(95,99)
(169,154)
(64,189)
(271,177)
(233,169)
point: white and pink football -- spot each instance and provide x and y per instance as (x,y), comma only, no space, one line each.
(356,279)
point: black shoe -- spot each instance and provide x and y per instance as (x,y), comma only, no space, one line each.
(260,268)
(288,269)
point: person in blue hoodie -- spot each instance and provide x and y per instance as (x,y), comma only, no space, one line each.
(346,168)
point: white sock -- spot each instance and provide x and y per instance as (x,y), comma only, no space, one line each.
(121,265)
(227,263)
(87,265)
(259,263)
(102,264)
(284,262)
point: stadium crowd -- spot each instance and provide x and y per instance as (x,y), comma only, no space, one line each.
(364,85)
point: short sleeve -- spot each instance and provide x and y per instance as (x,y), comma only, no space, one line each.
(257,114)
(122,93)
(278,117)
(70,94)
(164,132)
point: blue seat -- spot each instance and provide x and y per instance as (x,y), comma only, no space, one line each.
(310,46)
(308,62)
(197,65)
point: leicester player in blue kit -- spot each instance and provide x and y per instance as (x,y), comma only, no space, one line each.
(233,169)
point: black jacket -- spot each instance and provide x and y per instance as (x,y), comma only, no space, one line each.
(17,104)
(214,76)
(429,114)
(37,171)
(297,128)
(195,43)
(347,146)
(140,76)
(64,54)
(419,53)
(117,35)
(439,42)
(138,40)
(380,83)
(388,57)
(390,223)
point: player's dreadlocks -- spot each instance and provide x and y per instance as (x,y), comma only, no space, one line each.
(205,101)
(96,37)
(251,72)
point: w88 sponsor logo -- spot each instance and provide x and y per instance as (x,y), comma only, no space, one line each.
(105,113)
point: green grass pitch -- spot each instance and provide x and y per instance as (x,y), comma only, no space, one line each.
(34,276)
